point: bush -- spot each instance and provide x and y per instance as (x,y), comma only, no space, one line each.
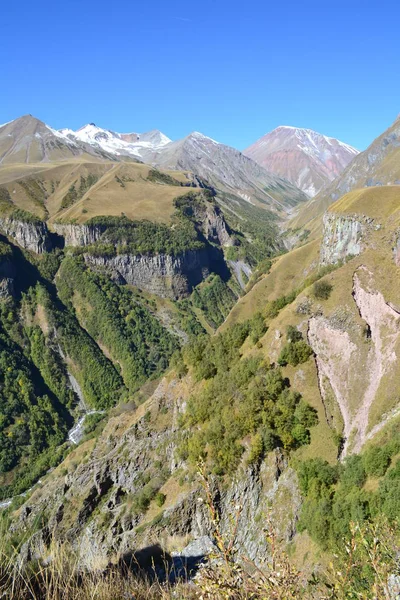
(160,499)
(295,354)
(376,461)
(322,290)
(293,334)
(354,473)
(256,449)
(257,327)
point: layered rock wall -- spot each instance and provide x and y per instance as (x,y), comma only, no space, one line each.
(161,274)
(31,236)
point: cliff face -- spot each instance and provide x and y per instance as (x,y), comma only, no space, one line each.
(30,236)
(343,236)
(79,235)
(161,274)
(93,506)
(215,228)
(356,360)
(7,274)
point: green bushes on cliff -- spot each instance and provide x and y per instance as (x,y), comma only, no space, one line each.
(99,380)
(296,351)
(112,315)
(32,419)
(122,235)
(215,299)
(240,397)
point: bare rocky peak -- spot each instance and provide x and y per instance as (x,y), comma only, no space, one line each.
(378,165)
(308,159)
(29,140)
(228,169)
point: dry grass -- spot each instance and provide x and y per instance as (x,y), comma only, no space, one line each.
(120,188)
(61,577)
(376,202)
(361,569)
(287,273)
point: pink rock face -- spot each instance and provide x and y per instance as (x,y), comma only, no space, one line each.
(306,158)
(355,370)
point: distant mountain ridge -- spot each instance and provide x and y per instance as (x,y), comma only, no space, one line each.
(306,158)
(227,168)
(28,140)
(119,144)
(241,180)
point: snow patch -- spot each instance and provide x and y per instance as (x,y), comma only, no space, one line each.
(113,143)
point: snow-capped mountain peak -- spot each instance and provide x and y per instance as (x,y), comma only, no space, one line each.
(119,144)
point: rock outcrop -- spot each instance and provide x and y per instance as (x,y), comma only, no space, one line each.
(79,235)
(161,274)
(344,236)
(32,236)
(356,361)
(242,271)
(92,506)
(7,275)
(215,227)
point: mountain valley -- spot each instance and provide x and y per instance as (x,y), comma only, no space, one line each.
(199,355)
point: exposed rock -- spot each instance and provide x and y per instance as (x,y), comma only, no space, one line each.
(342,237)
(161,274)
(200,547)
(30,236)
(92,506)
(79,235)
(7,274)
(396,251)
(215,228)
(353,362)
(240,268)
(6,288)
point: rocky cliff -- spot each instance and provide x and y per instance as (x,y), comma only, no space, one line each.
(79,235)
(356,360)
(96,504)
(161,274)
(33,236)
(7,275)
(344,236)
(215,227)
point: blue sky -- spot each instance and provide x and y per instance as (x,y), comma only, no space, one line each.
(232,70)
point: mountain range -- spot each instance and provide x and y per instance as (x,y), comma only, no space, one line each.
(378,165)
(192,348)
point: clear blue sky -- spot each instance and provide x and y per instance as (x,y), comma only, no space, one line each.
(232,70)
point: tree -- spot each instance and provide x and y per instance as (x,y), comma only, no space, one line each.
(322,290)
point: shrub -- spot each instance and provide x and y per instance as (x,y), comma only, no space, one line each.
(295,354)
(354,472)
(376,461)
(256,449)
(257,327)
(293,334)
(160,499)
(322,290)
